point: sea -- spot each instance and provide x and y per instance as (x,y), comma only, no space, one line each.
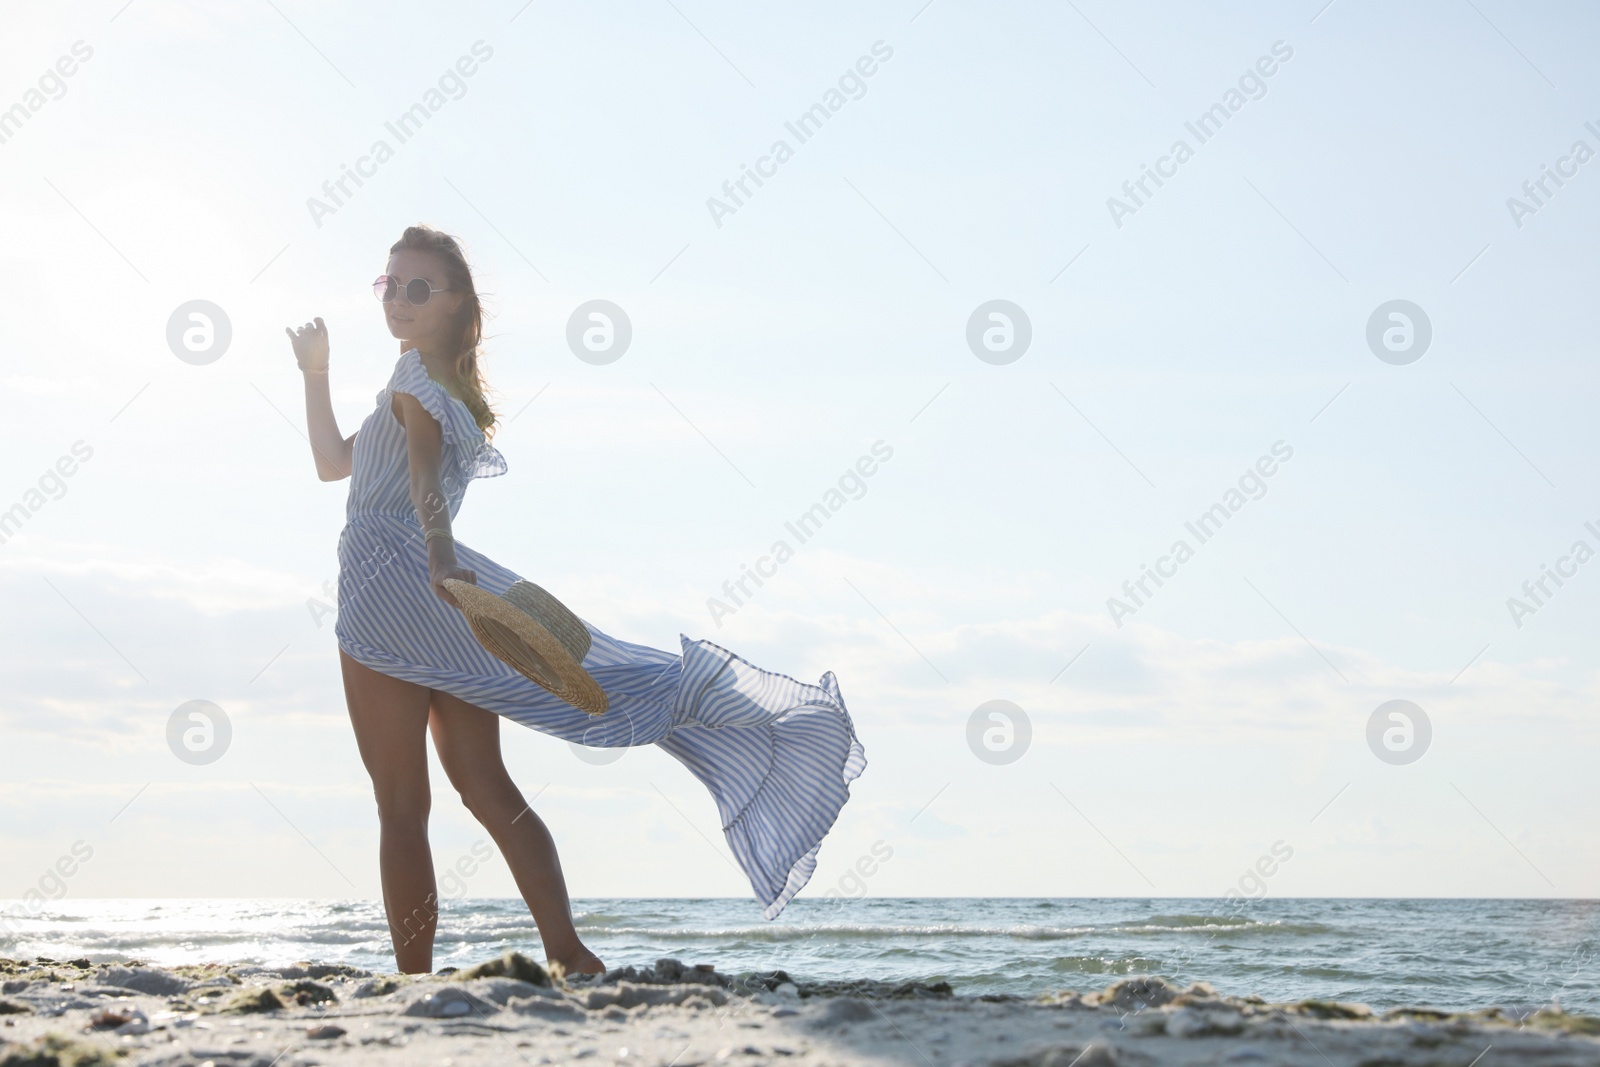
(1446,954)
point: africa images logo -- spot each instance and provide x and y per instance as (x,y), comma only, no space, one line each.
(1252,85)
(406,126)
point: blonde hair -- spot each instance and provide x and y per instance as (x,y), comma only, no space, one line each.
(469,319)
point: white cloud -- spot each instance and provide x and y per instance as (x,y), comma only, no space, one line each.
(38,386)
(212,586)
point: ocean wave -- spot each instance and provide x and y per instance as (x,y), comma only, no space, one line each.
(130,942)
(1182,919)
(1461,953)
(1183,924)
(1101,965)
(1160,924)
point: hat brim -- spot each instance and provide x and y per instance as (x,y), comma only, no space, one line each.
(533,633)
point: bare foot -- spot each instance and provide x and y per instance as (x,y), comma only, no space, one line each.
(582,962)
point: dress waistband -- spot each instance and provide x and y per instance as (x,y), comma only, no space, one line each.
(407,517)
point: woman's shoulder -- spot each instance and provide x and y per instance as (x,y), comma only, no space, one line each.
(410,370)
(455,419)
(411,377)
(404,373)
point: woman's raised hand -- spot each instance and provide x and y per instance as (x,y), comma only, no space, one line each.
(310,346)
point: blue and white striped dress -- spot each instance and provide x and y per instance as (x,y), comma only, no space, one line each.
(776,754)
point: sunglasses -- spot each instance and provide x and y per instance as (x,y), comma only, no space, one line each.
(386,287)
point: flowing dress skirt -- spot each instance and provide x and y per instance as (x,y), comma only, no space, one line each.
(776,754)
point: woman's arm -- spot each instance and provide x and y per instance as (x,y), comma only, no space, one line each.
(424,442)
(331,450)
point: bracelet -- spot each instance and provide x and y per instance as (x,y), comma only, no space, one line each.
(440,532)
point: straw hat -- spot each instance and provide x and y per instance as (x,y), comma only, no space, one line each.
(536,634)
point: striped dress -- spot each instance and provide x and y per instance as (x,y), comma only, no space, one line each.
(777,754)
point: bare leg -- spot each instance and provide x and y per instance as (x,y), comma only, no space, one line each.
(390,719)
(467,739)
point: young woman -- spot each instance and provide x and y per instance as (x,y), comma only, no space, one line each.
(776,754)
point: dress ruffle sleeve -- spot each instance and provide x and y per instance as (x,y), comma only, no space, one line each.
(462,437)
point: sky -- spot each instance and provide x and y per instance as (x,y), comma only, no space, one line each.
(1340,164)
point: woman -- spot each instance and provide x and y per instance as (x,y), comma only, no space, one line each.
(776,754)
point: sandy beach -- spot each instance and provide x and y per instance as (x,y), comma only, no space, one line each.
(509,1010)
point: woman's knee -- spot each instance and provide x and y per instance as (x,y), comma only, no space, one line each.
(491,798)
(402,806)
